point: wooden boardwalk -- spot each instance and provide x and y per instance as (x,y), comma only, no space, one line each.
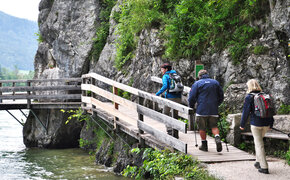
(211,156)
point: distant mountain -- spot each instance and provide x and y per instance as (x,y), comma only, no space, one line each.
(18,42)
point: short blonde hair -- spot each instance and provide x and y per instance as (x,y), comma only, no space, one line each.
(253,85)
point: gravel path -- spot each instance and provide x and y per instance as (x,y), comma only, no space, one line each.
(245,170)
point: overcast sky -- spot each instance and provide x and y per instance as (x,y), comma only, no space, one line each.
(27,9)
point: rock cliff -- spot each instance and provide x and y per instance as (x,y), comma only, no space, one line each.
(68,28)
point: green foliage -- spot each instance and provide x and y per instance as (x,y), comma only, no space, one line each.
(84,142)
(284,109)
(78,114)
(223,125)
(288,156)
(39,37)
(135,15)
(259,50)
(102,30)
(190,27)
(165,165)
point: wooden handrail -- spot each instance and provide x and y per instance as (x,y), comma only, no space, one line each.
(181,108)
(159,80)
(29,92)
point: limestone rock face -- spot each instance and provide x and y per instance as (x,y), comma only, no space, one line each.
(48,130)
(68,27)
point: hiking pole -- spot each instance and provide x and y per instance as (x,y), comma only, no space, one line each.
(196,145)
(281,131)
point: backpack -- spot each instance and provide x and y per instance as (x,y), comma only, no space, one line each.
(264,105)
(175,84)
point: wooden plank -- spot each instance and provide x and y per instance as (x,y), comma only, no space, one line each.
(112,83)
(52,96)
(110,96)
(108,109)
(174,105)
(159,80)
(43,80)
(167,139)
(40,88)
(270,135)
(169,121)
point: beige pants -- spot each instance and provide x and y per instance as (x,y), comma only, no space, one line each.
(258,134)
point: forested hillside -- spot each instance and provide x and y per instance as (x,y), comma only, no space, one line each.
(18,42)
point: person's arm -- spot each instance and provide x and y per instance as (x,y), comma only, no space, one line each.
(246,111)
(192,98)
(164,85)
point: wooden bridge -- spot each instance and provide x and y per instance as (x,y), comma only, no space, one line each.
(139,116)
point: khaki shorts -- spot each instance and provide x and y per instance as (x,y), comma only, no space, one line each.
(206,121)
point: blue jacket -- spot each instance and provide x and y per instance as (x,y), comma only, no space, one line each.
(165,86)
(249,109)
(208,95)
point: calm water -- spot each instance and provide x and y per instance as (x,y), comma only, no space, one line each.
(18,162)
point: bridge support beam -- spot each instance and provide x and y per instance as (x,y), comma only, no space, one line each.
(15,118)
(38,120)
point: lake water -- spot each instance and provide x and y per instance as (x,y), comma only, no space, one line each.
(19,162)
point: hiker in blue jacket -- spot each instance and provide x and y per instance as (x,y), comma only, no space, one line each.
(166,69)
(259,126)
(208,95)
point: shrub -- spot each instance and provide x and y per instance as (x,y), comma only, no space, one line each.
(288,156)
(259,50)
(190,27)
(284,109)
(165,165)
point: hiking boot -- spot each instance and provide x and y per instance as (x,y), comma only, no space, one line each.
(265,171)
(218,142)
(257,165)
(203,146)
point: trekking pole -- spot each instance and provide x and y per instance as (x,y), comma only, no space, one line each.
(226,144)
(196,145)
(225,139)
(281,131)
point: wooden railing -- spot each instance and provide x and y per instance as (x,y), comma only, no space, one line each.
(40,90)
(92,91)
(185,94)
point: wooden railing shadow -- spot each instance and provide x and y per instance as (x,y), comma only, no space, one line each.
(92,91)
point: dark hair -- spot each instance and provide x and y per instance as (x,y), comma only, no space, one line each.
(166,66)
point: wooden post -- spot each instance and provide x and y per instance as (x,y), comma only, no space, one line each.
(1,93)
(175,116)
(28,94)
(13,93)
(141,118)
(116,106)
(191,122)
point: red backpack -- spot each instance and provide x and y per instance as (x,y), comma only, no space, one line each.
(264,106)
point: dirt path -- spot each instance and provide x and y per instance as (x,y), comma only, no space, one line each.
(245,170)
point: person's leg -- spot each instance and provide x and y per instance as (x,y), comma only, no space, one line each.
(167,112)
(214,129)
(258,133)
(201,123)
